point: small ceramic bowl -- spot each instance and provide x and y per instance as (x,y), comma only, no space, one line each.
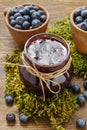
(21,36)
(79,36)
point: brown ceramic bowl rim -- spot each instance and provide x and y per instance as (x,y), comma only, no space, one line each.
(72,19)
(6,15)
(66,58)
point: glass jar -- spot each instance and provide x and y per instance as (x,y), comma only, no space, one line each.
(33,81)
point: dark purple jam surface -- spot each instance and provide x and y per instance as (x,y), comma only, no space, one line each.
(47,51)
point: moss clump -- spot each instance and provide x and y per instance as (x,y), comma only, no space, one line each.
(62,28)
(58,108)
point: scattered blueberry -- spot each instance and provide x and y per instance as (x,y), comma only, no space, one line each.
(23,118)
(75,88)
(85,94)
(10,117)
(22,17)
(85,84)
(9,99)
(81,100)
(80,123)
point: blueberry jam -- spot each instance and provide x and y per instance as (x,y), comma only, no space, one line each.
(47,51)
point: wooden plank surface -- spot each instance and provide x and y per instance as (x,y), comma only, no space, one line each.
(57,9)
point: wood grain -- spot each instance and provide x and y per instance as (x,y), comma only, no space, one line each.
(57,9)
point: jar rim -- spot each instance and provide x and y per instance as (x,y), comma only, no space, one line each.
(49,36)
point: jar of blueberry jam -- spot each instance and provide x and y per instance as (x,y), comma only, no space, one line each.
(49,53)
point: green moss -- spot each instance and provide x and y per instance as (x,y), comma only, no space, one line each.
(58,108)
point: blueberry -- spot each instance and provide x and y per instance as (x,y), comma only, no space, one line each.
(26,17)
(85,20)
(11,18)
(16,15)
(36,15)
(29,7)
(85,84)
(36,8)
(32,11)
(23,118)
(25,12)
(78,19)
(20,20)
(20,8)
(82,26)
(41,12)
(36,23)
(75,88)
(43,18)
(77,13)
(80,123)
(84,13)
(13,23)
(10,117)
(13,11)
(9,99)
(26,25)
(81,100)
(18,26)
(85,94)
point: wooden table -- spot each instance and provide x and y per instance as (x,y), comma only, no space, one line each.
(57,9)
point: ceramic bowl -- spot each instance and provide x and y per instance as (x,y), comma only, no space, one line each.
(21,36)
(79,36)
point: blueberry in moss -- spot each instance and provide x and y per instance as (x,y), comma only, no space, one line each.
(85,84)
(23,118)
(80,123)
(10,117)
(9,99)
(81,100)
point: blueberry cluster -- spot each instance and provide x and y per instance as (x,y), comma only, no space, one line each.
(26,17)
(80,18)
(81,100)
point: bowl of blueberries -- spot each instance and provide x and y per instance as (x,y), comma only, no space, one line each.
(24,21)
(78,22)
